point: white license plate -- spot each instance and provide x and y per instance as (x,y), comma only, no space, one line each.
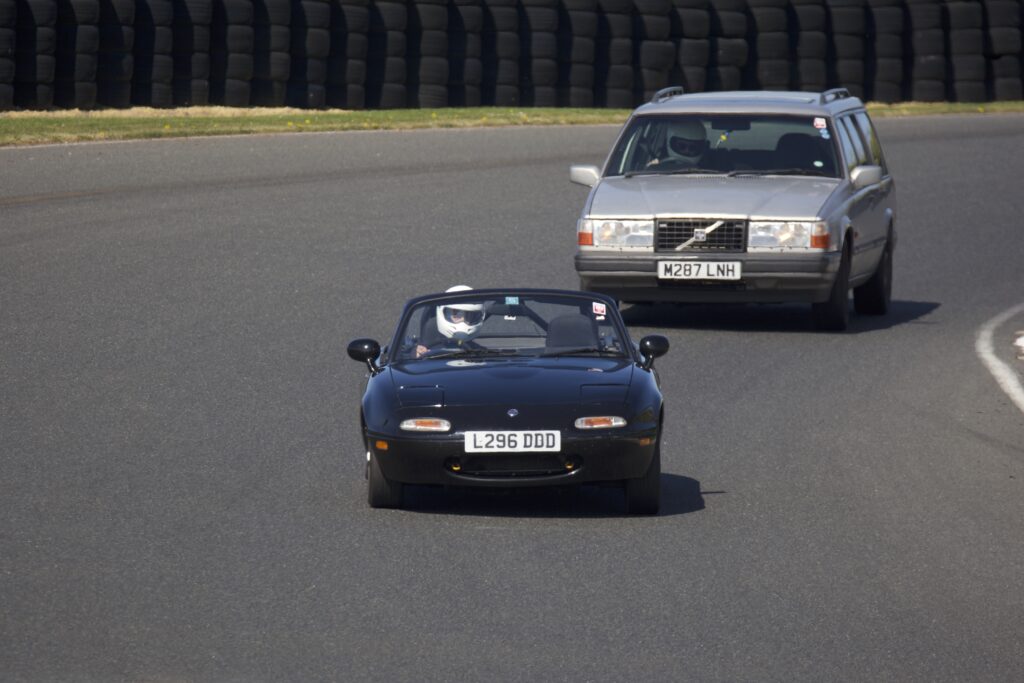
(700,270)
(513,442)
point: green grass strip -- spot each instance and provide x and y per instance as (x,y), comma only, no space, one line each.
(32,127)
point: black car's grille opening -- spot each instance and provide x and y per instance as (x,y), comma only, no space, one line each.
(512,465)
(719,235)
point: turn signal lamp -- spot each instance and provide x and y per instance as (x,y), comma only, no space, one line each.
(425,424)
(380,445)
(600,422)
(820,239)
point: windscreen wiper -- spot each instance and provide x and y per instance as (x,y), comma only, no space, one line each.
(777,171)
(582,351)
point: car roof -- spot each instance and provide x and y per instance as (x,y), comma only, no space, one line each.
(828,103)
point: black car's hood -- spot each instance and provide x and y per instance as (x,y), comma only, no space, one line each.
(524,381)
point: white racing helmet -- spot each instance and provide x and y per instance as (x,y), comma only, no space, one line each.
(460,321)
(686,140)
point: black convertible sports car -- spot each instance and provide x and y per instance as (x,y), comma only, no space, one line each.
(512,388)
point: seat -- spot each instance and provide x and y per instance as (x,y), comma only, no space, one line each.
(796,150)
(573,331)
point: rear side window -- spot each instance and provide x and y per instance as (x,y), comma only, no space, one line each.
(874,146)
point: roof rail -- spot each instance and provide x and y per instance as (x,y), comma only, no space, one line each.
(833,95)
(666,93)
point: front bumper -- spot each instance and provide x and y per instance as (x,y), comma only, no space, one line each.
(583,459)
(766,277)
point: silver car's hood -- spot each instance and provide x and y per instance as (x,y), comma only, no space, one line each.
(741,196)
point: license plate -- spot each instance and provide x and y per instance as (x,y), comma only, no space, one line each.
(700,270)
(513,442)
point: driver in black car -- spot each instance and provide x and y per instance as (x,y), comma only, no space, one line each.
(457,323)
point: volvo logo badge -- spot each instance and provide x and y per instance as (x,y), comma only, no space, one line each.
(512,412)
(700,235)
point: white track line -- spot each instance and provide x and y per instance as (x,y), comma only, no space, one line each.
(1005,375)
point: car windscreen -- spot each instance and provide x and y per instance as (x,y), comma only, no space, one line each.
(725,144)
(512,325)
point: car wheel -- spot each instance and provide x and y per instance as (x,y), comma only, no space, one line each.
(643,495)
(874,296)
(381,491)
(834,314)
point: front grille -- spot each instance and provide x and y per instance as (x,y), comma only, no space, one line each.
(730,236)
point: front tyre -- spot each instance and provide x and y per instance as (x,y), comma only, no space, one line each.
(381,491)
(875,295)
(834,313)
(643,495)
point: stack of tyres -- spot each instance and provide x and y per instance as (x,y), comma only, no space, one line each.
(729,49)
(385,59)
(35,61)
(577,32)
(465,67)
(231,43)
(8,20)
(191,52)
(883,63)
(848,21)
(116,63)
(538,52)
(613,55)
(499,58)
(271,53)
(927,50)
(691,21)
(810,39)
(965,36)
(427,53)
(770,63)
(311,43)
(654,54)
(346,65)
(78,41)
(1003,47)
(154,63)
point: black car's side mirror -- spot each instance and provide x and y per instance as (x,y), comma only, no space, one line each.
(365,351)
(652,346)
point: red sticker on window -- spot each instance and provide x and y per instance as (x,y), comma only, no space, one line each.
(600,309)
(820,123)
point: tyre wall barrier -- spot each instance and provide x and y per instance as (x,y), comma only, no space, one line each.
(359,54)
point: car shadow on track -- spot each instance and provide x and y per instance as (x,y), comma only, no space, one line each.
(766,317)
(679,495)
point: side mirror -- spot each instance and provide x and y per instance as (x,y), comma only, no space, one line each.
(862,176)
(652,346)
(584,175)
(365,351)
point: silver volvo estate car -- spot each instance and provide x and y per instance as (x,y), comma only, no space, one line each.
(761,197)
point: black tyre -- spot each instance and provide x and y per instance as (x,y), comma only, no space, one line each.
(381,492)
(833,315)
(874,296)
(643,495)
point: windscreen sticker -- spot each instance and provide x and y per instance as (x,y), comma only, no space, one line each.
(819,164)
(824,133)
(511,300)
(600,308)
(820,123)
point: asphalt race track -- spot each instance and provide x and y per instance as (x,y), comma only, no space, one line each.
(182,481)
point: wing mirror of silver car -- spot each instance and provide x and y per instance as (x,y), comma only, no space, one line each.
(862,176)
(365,351)
(583,174)
(652,346)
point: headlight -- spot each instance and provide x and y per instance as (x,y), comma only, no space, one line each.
(425,424)
(615,233)
(600,422)
(788,235)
